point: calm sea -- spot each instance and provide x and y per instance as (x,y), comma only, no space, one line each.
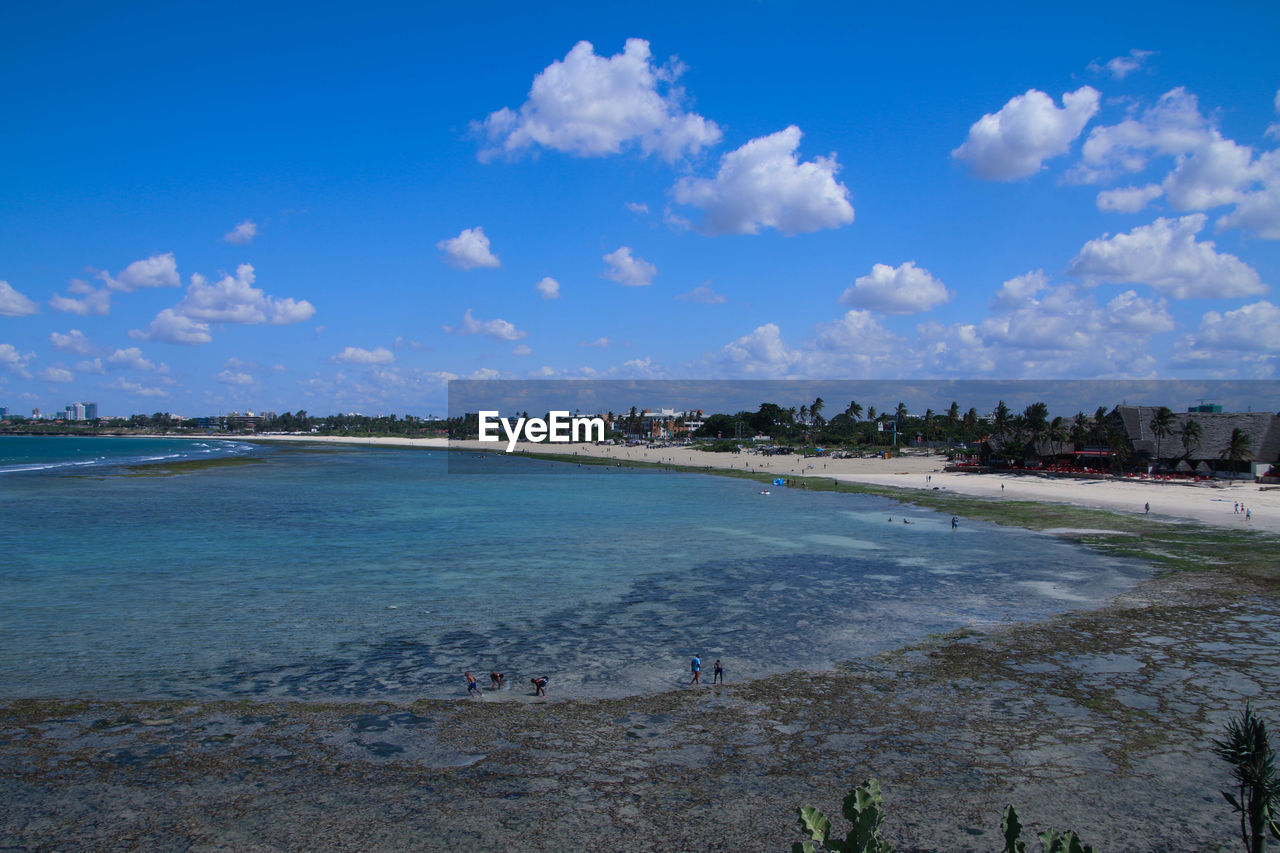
(346,572)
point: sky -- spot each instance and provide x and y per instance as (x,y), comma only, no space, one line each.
(207,208)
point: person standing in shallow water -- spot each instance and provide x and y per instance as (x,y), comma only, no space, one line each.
(473,687)
(540,683)
(695,666)
(717,674)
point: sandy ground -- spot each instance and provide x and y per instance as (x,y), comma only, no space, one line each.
(1206,503)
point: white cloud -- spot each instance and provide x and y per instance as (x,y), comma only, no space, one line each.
(134,388)
(1173,126)
(174,328)
(1020,289)
(132,359)
(598,343)
(14,304)
(155,271)
(469,250)
(14,361)
(236,300)
(1254,327)
(235,377)
(853,345)
(1166,256)
(1122,66)
(1273,130)
(763,184)
(637,207)
(356,355)
(761,352)
(522,350)
(1128,199)
(74,342)
(591,106)
(1028,130)
(242,234)
(629,270)
(1259,210)
(548,287)
(704,295)
(91,366)
(1216,173)
(906,289)
(96,300)
(498,329)
(1133,313)
(56,374)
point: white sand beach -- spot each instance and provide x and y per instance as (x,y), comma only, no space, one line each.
(1209,503)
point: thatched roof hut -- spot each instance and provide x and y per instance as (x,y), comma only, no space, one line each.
(1263,429)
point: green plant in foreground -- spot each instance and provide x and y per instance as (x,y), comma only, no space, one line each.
(1247,748)
(864,810)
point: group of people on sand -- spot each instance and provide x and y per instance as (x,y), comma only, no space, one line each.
(498,681)
(695,666)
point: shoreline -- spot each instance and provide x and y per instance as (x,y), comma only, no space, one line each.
(1205,503)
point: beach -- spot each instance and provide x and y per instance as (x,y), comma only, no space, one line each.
(1204,502)
(1096,720)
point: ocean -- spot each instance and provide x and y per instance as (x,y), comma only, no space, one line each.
(326,572)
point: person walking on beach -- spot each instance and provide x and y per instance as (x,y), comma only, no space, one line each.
(473,687)
(540,685)
(717,675)
(695,665)
(1146,508)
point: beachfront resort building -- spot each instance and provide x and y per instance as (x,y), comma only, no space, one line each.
(1180,449)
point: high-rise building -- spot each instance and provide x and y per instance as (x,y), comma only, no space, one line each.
(90,411)
(4,412)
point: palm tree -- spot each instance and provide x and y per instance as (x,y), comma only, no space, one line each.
(854,411)
(1191,433)
(970,424)
(1239,446)
(953,418)
(1161,425)
(901,414)
(1000,418)
(1059,432)
(815,411)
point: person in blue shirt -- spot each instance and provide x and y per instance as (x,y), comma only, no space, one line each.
(696,666)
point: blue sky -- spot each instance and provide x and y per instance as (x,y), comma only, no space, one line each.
(336,208)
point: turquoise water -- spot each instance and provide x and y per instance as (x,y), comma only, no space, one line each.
(327,573)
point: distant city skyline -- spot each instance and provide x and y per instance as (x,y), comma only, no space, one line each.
(290,207)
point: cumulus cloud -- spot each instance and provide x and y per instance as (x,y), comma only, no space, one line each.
(1254,327)
(14,304)
(54,373)
(155,271)
(704,295)
(763,184)
(598,343)
(906,289)
(173,328)
(1172,126)
(627,269)
(74,342)
(498,329)
(1122,66)
(136,389)
(590,106)
(356,355)
(236,300)
(132,359)
(1128,199)
(469,250)
(1259,210)
(234,377)
(232,299)
(548,287)
(95,300)
(1019,289)
(522,350)
(1166,256)
(1028,130)
(637,207)
(242,234)
(14,361)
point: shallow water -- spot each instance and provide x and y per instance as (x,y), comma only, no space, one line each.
(384,573)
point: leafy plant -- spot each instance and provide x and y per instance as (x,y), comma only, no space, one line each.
(863,809)
(865,812)
(1247,748)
